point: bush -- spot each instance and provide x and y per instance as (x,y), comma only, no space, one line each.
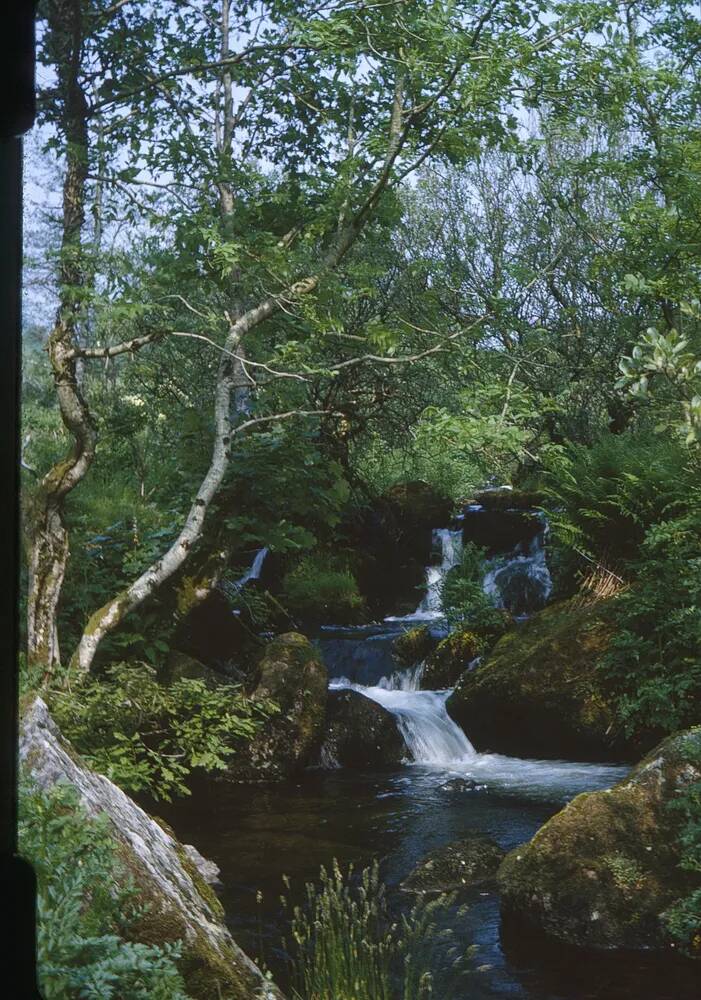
(321,588)
(653,666)
(146,736)
(85,907)
(346,947)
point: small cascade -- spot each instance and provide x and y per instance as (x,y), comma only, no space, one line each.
(450,545)
(430,734)
(254,570)
(520,581)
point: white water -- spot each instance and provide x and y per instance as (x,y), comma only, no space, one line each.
(433,739)
(520,579)
(254,570)
(451,553)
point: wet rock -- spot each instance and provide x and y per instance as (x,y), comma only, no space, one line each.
(360,733)
(414,645)
(290,672)
(504,498)
(178,904)
(462,863)
(451,658)
(499,531)
(462,785)
(539,692)
(603,872)
(393,538)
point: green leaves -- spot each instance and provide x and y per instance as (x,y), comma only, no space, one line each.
(146,736)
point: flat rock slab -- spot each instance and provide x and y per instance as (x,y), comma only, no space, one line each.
(459,864)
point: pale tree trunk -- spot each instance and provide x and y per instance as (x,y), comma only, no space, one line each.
(47,536)
(232,376)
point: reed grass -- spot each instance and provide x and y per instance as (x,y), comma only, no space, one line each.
(345,946)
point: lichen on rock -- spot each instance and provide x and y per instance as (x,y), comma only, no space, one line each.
(178,904)
(291,674)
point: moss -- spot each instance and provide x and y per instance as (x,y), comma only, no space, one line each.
(290,673)
(414,645)
(602,872)
(464,862)
(539,692)
(189,593)
(450,659)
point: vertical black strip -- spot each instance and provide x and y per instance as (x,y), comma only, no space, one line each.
(17,883)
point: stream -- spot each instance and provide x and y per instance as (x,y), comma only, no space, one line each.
(443,792)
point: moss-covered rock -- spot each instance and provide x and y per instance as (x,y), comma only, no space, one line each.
(602,872)
(290,673)
(450,659)
(413,646)
(462,863)
(539,692)
(359,733)
(178,904)
(181,666)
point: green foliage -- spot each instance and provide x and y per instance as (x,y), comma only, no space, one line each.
(464,602)
(146,736)
(603,498)
(86,906)
(683,920)
(345,945)
(321,587)
(652,666)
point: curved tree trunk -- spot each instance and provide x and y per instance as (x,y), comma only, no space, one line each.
(46,532)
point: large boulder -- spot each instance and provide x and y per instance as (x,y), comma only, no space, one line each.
(178,903)
(462,863)
(539,693)
(290,673)
(359,733)
(603,872)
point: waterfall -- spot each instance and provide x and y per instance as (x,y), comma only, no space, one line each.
(430,734)
(450,545)
(253,571)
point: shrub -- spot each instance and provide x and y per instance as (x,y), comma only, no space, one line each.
(85,907)
(322,588)
(345,946)
(146,736)
(652,667)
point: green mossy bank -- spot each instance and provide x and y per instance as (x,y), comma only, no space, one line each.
(605,871)
(539,692)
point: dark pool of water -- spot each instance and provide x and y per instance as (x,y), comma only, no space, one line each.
(258,834)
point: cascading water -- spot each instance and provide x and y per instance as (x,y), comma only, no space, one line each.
(520,581)
(254,570)
(361,658)
(450,544)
